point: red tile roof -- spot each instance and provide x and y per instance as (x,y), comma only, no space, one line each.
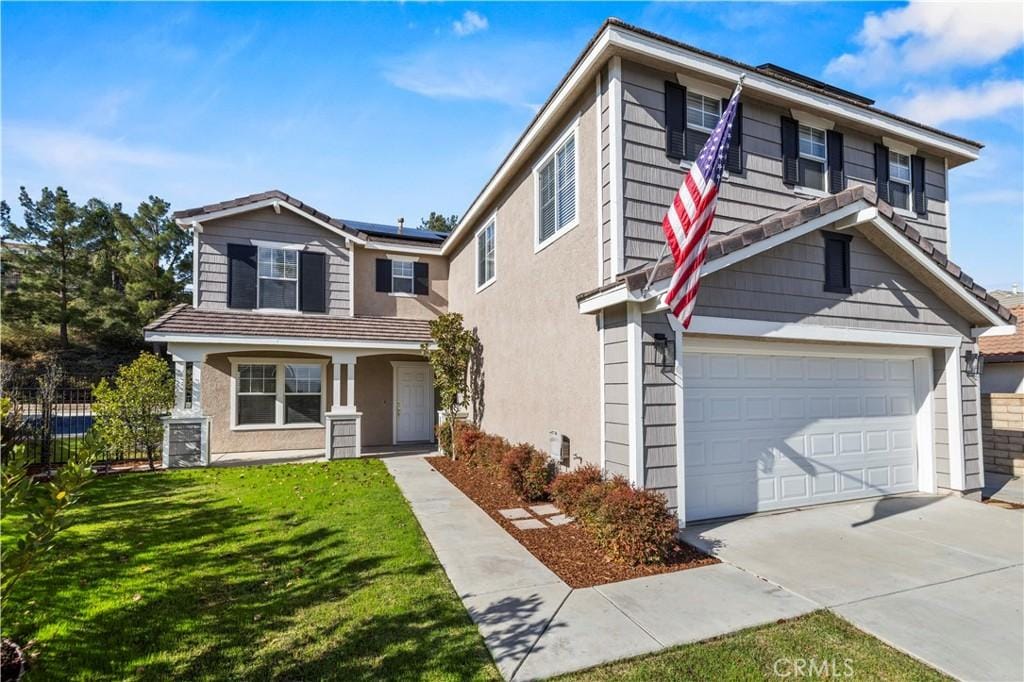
(1008,348)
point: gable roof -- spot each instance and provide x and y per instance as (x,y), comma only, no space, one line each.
(358,231)
(745,237)
(627,38)
(1008,348)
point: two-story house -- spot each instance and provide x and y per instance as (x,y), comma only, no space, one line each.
(833,353)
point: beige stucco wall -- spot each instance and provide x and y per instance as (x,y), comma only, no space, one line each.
(369,301)
(373,398)
(540,355)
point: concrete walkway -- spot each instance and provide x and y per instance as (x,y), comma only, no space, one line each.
(1004,488)
(536,626)
(940,578)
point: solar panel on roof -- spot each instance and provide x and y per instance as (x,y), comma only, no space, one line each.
(392,231)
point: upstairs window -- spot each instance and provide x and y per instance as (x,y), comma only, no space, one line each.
(899,180)
(556,189)
(702,112)
(278,278)
(485,256)
(813,156)
(402,277)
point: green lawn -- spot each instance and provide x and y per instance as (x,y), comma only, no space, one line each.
(820,637)
(298,572)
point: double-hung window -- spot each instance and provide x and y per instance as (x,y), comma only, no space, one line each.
(402,276)
(485,256)
(813,156)
(556,188)
(278,278)
(275,394)
(899,180)
(702,114)
(256,402)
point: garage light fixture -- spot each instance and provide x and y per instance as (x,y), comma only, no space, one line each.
(663,352)
(974,363)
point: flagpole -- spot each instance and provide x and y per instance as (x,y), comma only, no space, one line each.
(664,247)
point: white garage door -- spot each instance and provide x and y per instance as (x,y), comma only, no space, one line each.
(767,431)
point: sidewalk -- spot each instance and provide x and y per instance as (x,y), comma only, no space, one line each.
(536,626)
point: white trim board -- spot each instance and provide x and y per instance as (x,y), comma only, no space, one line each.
(955,417)
(277,341)
(279,395)
(635,387)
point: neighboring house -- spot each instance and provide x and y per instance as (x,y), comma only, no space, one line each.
(832,351)
(10,277)
(1004,354)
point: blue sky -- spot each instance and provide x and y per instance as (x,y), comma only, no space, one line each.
(374,111)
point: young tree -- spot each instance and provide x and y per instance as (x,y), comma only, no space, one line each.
(449,355)
(53,263)
(128,411)
(439,223)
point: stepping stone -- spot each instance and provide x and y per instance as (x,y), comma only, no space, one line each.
(528,524)
(559,519)
(544,509)
(514,513)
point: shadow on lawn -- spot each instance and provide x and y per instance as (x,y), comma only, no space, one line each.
(227,591)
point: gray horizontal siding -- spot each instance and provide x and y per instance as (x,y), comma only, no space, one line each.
(971,397)
(659,412)
(650,178)
(616,392)
(786,284)
(265,225)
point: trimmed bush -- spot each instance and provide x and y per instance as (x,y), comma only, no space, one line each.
(591,497)
(490,450)
(568,486)
(444,439)
(635,526)
(527,471)
(466,438)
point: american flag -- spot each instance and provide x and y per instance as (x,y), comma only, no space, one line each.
(687,224)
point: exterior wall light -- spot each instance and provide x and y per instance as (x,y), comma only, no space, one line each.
(974,363)
(664,352)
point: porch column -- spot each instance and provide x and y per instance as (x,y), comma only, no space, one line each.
(187,431)
(197,382)
(179,386)
(350,385)
(335,387)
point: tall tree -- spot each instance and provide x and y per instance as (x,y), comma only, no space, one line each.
(439,223)
(53,262)
(157,260)
(111,316)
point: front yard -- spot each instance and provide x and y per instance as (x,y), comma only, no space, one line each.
(290,572)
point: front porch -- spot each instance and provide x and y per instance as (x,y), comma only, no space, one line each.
(242,399)
(233,459)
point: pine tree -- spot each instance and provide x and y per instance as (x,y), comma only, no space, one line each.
(439,223)
(53,262)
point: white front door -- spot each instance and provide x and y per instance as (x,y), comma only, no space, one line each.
(414,402)
(766,432)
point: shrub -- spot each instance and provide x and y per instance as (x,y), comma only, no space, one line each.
(568,486)
(466,438)
(490,450)
(527,471)
(591,497)
(444,439)
(635,526)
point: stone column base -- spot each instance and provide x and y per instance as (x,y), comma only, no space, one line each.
(186,442)
(343,435)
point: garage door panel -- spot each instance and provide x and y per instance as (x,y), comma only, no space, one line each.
(768,432)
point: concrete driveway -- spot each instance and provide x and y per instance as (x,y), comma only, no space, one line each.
(940,578)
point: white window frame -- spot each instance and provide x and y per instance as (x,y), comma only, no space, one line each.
(813,191)
(909,182)
(259,276)
(492,225)
(703,96)
(279,411)
(549,155)
(412,276)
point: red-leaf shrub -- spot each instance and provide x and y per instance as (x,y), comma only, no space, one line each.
(591,497)
(569,485)
(635,526)
(527,471)
(466,438)
(490,450)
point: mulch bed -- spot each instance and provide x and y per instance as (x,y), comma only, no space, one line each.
(568,550)
(1003,503)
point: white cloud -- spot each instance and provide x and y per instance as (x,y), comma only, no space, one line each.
(940,106)
(924,36)
(514,73)
(471,22)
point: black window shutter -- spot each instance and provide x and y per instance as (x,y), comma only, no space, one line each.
(675,121)
(882,171)
(917,179)
(384,275)
(836,174)
(837,262)
(242,276)
(421,278)
(790,151)
(734,164)
(312,282)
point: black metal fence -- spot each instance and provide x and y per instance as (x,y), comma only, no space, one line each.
(51,424)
